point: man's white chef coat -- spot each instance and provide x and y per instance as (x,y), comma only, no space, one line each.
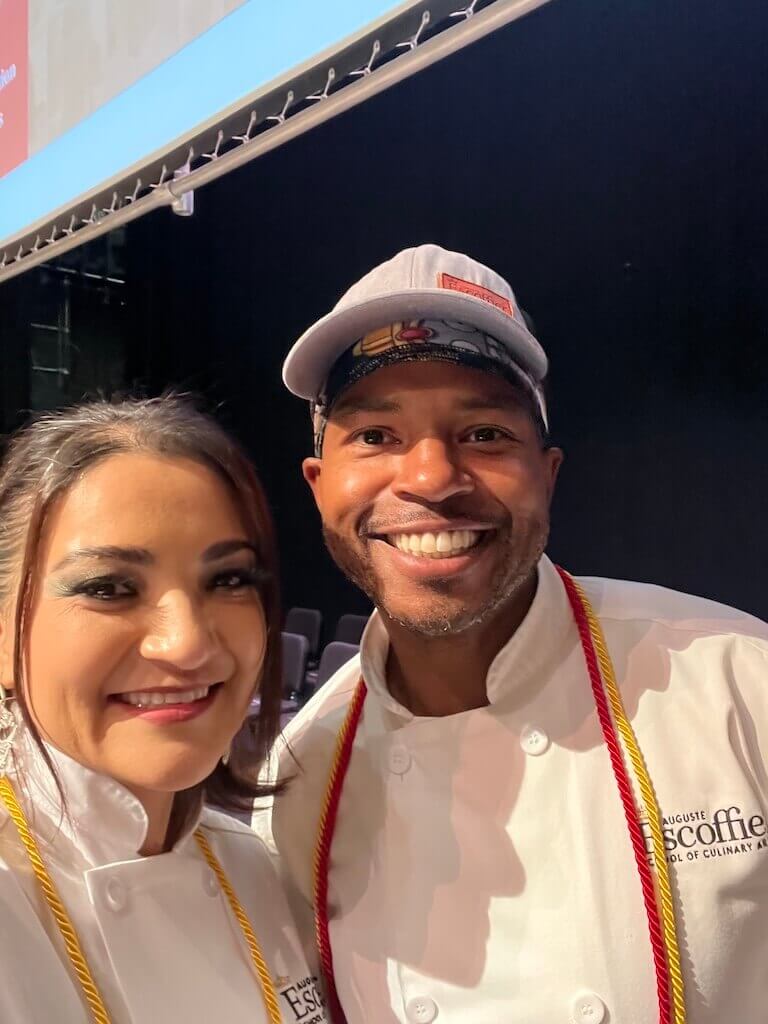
(482,871)
(157,932)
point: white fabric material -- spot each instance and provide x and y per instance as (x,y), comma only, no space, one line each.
(158,933)
(482,869)
(408,287)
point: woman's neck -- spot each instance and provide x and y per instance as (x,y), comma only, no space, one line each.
(158,808)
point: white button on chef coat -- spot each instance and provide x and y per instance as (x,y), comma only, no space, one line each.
(399,760)
(421,1010)
(157,932)
(496,875)
(211,882)
(115,895)
(534,741)
(587,1008)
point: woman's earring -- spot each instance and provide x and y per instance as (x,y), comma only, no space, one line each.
(8,727)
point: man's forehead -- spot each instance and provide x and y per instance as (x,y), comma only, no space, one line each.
(394,389)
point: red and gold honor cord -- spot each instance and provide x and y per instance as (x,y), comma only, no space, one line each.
(616,728)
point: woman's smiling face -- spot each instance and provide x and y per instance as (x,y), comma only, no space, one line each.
(147,634)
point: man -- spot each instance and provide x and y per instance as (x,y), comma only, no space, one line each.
(547,799)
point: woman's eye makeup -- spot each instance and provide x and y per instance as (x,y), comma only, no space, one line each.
(236,579)
(117,586)
(107,587)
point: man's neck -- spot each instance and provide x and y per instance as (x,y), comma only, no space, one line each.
(438,676)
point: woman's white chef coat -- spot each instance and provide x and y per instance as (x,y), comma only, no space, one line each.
(482,871)
(157,932)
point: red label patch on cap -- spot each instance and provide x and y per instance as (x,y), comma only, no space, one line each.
(458,284)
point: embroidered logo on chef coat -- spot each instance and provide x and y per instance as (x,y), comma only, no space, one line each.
(700,835)
(304,1000)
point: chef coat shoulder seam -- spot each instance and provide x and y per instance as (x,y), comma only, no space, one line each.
(709,628)
(761,646)
(702,630)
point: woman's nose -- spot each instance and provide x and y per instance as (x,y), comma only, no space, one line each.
(179,633)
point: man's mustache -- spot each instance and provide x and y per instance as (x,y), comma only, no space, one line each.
(450,510)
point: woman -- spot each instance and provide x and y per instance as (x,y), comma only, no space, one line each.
(138,617)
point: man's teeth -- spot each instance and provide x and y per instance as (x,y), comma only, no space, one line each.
(156,699)
(445,544)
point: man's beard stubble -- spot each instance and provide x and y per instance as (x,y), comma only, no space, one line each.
(524,542)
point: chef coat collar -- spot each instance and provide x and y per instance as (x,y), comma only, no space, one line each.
(103,819)
(534,645)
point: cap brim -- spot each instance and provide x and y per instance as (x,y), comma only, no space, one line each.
(308,363)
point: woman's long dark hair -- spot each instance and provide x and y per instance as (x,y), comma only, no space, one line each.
(46,457)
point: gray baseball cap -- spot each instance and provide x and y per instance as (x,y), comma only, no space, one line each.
(425,282)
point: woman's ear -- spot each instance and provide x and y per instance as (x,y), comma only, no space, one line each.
(6,653)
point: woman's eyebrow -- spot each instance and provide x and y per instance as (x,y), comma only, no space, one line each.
(136,556)
(141,556)
(227,547)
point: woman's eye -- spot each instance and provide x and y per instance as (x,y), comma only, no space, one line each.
(106,589)
(235,579)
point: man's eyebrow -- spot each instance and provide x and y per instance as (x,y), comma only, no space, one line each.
(109,552)
(346,407)
(496,400)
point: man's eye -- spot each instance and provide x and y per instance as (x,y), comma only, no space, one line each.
(486,435)
(373,436)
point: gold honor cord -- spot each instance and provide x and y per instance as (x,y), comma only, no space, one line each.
(650,803)
(69,935)
(267,986)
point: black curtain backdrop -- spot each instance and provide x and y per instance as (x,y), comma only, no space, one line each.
(610,160)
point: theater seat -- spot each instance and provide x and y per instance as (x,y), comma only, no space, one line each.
(333,657)
(349,628)
(306,622)
(295,654)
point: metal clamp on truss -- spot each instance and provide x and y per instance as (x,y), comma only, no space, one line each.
(367,68)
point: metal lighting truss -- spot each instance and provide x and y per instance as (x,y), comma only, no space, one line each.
(414,36)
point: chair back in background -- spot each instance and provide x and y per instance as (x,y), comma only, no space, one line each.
(349,628)
(295,654)
(308,622)
(333,657)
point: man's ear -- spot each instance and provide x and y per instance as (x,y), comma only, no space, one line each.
(311,468)
(555,458)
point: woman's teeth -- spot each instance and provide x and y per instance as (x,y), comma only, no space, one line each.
(156,699)
(445,544)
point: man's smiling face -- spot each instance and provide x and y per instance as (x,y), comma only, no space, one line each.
(434,490)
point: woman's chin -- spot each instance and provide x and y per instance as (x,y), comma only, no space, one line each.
(168,774)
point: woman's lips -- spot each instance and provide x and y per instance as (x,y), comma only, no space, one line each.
(166,706)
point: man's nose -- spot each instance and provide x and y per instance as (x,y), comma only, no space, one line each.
(432,471)
(180,634)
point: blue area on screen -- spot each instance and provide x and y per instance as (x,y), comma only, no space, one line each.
(245,50)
